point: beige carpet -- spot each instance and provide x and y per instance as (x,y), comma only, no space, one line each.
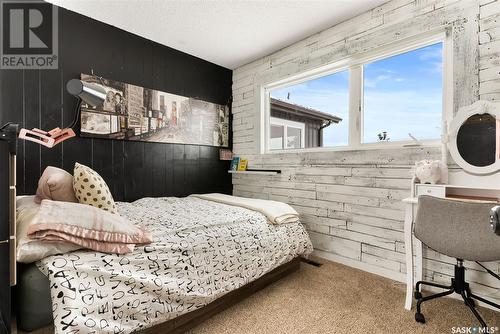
(338,299)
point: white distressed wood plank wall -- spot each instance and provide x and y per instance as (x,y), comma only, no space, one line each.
(350,201)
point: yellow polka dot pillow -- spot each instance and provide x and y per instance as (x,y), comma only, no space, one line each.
(91,189)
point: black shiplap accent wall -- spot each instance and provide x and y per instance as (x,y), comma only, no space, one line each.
(37,98)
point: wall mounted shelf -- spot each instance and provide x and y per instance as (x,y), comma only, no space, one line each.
(256,171)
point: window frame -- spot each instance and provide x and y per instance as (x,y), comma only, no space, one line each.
(354,64)
(287,123)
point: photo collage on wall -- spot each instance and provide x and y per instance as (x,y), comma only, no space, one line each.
(131,112)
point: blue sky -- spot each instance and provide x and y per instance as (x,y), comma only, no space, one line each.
(402,94)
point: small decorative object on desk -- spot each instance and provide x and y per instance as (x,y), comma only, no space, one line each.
(225,154)
(431,171)
(242,166)
(234,163)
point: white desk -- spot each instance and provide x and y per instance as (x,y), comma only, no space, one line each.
(413,246)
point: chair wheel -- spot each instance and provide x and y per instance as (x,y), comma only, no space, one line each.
(419,317)
(418,295)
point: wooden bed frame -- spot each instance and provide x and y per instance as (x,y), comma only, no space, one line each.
(189,320)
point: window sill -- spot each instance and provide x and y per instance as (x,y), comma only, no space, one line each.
(362,147)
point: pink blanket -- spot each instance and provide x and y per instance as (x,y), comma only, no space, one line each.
(86,226)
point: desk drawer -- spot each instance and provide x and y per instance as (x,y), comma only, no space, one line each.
(430,190)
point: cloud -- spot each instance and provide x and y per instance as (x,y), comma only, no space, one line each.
(414,111)
(434,67)
(372,83)
(431,53)
(330,98)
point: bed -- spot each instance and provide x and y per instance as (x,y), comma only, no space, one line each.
(205,255)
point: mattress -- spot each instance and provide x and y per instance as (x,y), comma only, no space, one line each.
(201,251)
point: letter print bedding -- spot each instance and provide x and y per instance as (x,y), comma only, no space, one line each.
(201,251)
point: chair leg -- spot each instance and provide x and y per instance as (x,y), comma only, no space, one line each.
(473,296)
(418,293)
(419,317)
(419,283)
(468,294)
(473,309)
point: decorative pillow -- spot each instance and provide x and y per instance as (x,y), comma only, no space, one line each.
(55,184)
(61,227)
(91,189)
(29,250)
(87,227)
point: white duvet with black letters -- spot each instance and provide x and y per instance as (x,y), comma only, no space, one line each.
(201,251)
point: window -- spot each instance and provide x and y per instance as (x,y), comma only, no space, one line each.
(403,95)
(294,137)
(277,136)
(394,95)
(321,105)
(286,134)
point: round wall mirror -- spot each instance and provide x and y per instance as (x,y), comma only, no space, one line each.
(474,138)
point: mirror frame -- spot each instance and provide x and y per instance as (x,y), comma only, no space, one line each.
(479,107)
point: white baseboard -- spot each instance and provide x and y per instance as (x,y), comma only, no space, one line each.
(399,277)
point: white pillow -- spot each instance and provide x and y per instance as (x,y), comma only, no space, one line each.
(29,250)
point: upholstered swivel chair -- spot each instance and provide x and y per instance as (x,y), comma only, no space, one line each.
(459,229)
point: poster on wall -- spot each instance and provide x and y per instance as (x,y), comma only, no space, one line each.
(135,113)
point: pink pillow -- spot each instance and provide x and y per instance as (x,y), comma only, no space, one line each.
(30,250)
(87,227)
(55,184)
